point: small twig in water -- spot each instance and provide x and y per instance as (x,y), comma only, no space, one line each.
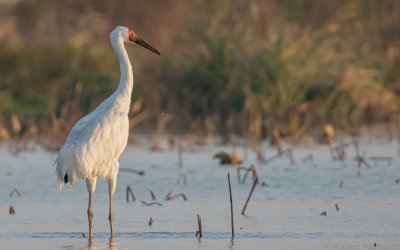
(309,158)
(12,210)
(341,152)
(251,192)
(129,191)
(337,207)
(170,197)
(151,203)
(381,158)
(323,213)
(181,176)
(152,195)
(199,233)
(134,171)
(151,221)
(361,161)
(16,192)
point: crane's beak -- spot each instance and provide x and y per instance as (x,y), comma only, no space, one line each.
(143,43)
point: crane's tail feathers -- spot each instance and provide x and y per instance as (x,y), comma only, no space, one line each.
(66,167)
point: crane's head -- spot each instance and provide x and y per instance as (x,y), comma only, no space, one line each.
(128,35)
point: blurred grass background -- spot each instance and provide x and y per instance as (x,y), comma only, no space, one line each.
(244,67)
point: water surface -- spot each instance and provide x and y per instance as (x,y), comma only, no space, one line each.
(284,215)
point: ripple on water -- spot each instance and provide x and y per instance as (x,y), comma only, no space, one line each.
(206,235)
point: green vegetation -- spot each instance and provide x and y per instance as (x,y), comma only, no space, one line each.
(243,67)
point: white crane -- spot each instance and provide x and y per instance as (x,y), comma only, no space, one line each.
(96,141)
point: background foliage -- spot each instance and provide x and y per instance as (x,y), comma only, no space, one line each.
(245,67)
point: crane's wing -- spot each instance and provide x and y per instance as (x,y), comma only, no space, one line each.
(78,128)
(66,161)
(86,123)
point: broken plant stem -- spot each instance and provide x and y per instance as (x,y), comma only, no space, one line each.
(129,191)
(251,192)
(230,198)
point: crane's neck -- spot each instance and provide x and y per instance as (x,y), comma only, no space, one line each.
(122,96)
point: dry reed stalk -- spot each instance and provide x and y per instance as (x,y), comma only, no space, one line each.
(289,153)
(129,191)
(200,231)
(286,152)
(356,147)
(276,156)
(138,118)
(261,156)
(245,150)
(341,150)
(230,198)
(15,191)
(180,153)
(181,176)
(361,161)
(151,203)
(238,173)
(253,169)
(331,151)
(251,192)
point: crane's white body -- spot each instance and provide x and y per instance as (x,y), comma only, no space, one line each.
(97,140)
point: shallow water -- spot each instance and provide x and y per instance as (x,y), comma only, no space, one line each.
(284,215)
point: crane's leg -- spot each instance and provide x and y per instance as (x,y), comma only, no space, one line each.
(111,189)
(91,186)
(111,216)
(90,215)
